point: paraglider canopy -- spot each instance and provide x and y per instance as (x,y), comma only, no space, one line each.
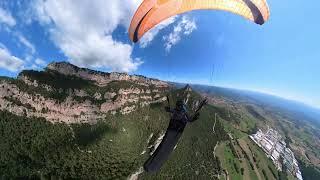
(152,12)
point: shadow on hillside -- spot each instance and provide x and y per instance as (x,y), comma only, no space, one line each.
(86,134)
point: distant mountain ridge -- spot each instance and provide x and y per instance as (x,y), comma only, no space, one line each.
(298,108)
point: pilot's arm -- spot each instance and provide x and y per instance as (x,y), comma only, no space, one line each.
(197,114)
(194,117)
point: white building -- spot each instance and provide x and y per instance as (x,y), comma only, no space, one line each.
(272,144)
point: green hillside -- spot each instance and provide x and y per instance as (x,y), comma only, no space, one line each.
(116,146)
(110,149)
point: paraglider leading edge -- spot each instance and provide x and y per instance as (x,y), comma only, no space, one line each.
(152,12)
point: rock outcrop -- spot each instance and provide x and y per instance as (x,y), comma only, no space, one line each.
(29,96)
(102,78)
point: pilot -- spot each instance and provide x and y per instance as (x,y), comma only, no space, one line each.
(180,116)
(178,121)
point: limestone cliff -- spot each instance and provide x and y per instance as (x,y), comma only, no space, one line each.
(102,78)
(67,93)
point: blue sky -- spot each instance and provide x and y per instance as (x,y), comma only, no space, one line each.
(282,57)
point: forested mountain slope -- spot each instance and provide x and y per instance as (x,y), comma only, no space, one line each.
(73,123)
(56,125)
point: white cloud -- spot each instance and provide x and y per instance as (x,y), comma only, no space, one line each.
(26,42)
(83,31)
(184,27)
(28,58)
(150,35)
(40,62)
(6,18)
(33,66)
(10,62)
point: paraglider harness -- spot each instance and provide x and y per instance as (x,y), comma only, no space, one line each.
(178,121)
(180,116)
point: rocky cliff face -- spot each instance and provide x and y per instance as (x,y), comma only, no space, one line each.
(66,93)
(102,78)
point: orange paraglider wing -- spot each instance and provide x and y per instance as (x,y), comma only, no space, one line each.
(152,12)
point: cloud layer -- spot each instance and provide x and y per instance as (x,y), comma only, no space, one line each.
(26,43)
(183,28)
(150,35)
(6,18)
(83,31)
(8,61)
